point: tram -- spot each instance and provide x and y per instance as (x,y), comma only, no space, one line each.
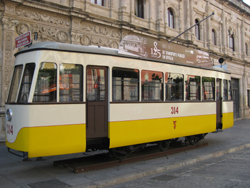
(67,98)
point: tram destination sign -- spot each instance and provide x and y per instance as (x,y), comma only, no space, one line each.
(150,48)
(23,40)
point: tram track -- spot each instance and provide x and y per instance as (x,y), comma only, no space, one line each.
(103,161)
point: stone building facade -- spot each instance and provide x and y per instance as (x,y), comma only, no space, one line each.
(105,22)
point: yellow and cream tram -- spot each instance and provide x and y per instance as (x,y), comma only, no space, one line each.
(66,98)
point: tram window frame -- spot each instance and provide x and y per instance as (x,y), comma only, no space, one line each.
(53,94)
(72,91)
(225,90)
(229,90)
(208,89)
(174,85)
(150,94)
(26,80)
(189,87)
(127,77)
(14,87)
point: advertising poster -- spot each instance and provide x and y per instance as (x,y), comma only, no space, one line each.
(170,52)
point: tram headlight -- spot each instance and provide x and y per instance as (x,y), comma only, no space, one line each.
(9,114)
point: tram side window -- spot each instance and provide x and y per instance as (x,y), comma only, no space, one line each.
(151,85)
(174,86)
(225,90)
(208,88)
(70,80)
(46,85)
(125,84)
(192,88)
(26,82)
(15,83)
(229,90)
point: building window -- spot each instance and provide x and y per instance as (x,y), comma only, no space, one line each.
(197,29)
(231,41)
(213,37)
(98,2)
(246,48)
(170,18)
(151,85)
(139,8)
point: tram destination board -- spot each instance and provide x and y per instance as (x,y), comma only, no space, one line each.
(23,40)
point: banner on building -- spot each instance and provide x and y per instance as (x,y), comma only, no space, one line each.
(150,48)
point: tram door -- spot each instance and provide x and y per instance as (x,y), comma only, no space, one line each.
(97,102)
(218,104)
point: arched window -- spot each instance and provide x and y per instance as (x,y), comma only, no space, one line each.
(246,48)
(197,30)
(213,37)
(98,2)
(170,18)
(139,8)
(231,40)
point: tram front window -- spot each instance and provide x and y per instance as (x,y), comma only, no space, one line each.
(46,85)
(15,83)
(26,83)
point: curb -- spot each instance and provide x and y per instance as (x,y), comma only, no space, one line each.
(156,170)
(2,143)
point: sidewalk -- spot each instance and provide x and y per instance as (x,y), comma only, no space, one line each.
(16,173)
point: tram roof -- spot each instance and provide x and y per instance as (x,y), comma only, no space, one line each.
(56,46)
(68,47)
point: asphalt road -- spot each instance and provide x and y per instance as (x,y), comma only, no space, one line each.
(229,171)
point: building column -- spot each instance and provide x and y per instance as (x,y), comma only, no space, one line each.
(224,32)
(188,15)
(208,31)
(7,65)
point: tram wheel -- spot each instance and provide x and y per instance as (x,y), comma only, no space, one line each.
(174,141)
(119,153)
(163,145)
(193,140)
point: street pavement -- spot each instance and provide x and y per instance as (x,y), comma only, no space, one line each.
(38,174)
(228,171)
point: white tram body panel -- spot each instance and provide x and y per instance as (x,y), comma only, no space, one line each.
(55,128)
